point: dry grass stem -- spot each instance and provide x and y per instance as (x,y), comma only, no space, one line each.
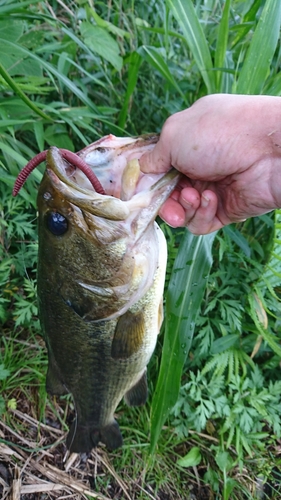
(33,466)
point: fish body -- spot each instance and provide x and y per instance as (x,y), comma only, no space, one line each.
(101,271)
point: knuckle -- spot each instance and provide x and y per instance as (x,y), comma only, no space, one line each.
(168,127)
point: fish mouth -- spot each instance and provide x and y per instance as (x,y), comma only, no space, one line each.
(108,166)
(141,205)
(126,189)
(113,161)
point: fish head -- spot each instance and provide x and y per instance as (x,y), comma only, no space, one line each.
(98,252)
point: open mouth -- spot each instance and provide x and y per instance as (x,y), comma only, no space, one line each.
(73,159)
(108,166)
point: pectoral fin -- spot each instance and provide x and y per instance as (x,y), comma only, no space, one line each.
(137,395)
(128,336)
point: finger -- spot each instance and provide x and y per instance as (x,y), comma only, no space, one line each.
(190,200)
(159,159)
(173,213)
(154,161)
(177,210)
(205,218)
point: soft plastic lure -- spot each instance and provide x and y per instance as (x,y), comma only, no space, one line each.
(72,158)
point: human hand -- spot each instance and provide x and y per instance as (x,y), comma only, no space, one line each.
(229,149)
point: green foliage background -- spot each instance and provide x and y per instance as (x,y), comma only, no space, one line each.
(71,72)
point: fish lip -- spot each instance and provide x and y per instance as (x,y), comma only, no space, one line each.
(57,165)
(92,202)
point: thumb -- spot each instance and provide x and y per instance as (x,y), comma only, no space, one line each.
(155,161)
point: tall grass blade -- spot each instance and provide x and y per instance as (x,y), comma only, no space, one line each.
(268,336)
(268,284)
(247,22)
(51,69)
(16,7)
(273,85)
(184,296)
(187,18)
(154,57)
(11,82)
(221,46)
(259,56)
(271,276)
(133,71)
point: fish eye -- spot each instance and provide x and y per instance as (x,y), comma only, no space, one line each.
(56,223)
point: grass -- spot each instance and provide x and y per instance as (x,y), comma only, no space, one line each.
(32,440)
(34,447)
(57,87)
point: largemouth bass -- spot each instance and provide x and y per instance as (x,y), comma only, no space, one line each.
(101,271)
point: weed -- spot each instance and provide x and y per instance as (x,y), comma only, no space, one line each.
(59,86)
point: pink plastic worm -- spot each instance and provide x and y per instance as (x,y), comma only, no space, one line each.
(72,158)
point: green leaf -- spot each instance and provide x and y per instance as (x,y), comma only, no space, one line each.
(247,22)
(101,42)
(56,135)
(224,343)
(11,31)
(133,71)
(154,57)
(39,134)
(3,372)
(192,458)
(273,85)
(267,335)
(224,460)
(12,404)
(2,405)
(228,487)
(14,62)
(184,296)
(188,20)
(53,71)
(222,42)
(16,7)
(8,123)
(21,94)
(18,158)
(238,238)
(256,66)
(271,276)
(109,26)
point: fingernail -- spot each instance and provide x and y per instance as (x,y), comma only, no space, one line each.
(204,201)
(185,203)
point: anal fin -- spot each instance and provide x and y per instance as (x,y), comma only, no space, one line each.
(137,395)
(54,385)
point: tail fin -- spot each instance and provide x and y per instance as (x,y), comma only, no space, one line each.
(81,439)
